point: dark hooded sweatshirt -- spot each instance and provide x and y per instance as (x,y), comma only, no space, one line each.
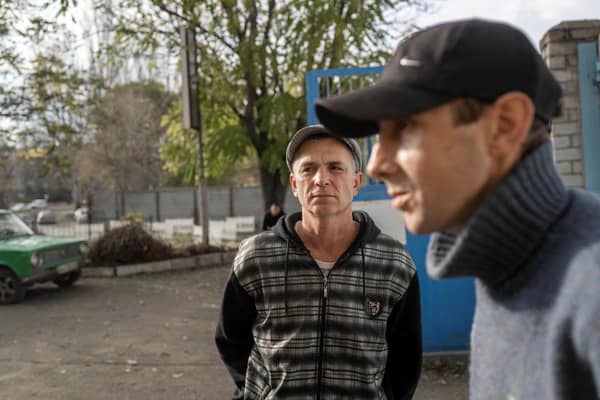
(287,331)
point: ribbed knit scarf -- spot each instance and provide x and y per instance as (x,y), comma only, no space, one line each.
(507,227)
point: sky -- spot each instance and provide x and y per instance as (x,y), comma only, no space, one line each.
(534,17)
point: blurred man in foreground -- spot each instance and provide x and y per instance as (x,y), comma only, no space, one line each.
(463,111)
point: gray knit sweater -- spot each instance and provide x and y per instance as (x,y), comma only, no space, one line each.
(534,248)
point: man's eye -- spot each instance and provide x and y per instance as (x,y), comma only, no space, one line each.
(401,127)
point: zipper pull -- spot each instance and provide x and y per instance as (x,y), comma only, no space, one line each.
(325,284)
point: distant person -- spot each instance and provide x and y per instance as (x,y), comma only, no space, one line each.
(271,216)
(324,305)
(463,110)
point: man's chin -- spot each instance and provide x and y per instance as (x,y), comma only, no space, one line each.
(322,210)
(417,230)
(416,225)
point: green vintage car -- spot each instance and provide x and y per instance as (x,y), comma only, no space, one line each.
(27,258)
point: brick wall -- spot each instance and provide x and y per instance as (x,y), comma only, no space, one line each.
(559,50)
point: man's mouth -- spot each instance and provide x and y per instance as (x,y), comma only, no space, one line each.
(400,198)
(320,195)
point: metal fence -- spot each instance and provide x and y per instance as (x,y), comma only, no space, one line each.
(174,203)
(180,232)
(88,230)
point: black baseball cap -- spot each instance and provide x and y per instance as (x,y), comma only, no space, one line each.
(467,58)
(313,131)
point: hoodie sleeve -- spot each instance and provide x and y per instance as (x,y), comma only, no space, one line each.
(233,335)
(405,350)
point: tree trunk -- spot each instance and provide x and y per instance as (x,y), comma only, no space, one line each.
(272,189)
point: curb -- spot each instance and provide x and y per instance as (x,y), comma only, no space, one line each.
(447,357)
(174,264)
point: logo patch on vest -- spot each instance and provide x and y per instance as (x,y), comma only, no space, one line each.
(373,307)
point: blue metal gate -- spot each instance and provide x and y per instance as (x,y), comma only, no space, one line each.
(447,306)
(589,80)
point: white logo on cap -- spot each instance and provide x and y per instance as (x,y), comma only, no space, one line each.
(408,62)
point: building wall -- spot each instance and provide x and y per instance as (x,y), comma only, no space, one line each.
(559,50)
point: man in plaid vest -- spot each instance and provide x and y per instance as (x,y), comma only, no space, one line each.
(324,305)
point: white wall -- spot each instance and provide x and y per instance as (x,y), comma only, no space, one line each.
(387,219)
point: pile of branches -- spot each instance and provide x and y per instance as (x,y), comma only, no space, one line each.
(201,248)
(128,244)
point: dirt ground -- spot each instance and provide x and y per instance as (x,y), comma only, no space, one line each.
(144,337)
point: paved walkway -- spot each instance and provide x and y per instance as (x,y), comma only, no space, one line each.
(137,338)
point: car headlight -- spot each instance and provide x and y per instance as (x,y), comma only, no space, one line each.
(84,249)
(36,260)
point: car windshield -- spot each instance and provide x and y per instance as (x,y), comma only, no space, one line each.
(11,225)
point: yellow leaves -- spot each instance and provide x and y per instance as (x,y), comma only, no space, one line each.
(32,153)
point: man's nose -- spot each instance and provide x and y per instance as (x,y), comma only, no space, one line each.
(379,163)
(322,176)
(382,163)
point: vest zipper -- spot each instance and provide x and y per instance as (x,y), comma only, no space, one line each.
(322,336)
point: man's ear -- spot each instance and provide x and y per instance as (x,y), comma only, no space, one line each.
(293,183)
(512,115)
(357,182)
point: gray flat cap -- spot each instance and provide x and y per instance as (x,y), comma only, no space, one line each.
(319,130)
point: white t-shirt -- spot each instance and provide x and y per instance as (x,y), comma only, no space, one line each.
(325,266)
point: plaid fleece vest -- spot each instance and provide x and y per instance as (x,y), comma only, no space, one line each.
(317,336)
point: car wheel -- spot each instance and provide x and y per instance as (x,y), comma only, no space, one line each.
(69,279)
(11,290)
